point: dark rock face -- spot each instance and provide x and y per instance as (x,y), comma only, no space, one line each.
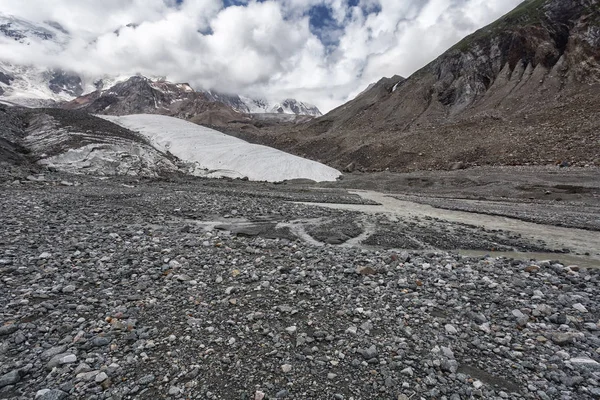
(140,95)
(6,79)
(62,81)
(11,132)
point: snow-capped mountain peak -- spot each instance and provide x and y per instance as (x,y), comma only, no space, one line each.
(293,106)
(24,32)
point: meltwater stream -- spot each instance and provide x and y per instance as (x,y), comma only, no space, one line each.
(580,242)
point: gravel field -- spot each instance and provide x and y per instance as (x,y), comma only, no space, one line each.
(193,289)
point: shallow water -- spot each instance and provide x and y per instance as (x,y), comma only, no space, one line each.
(578,241)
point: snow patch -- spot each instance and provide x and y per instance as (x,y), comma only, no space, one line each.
(222,155)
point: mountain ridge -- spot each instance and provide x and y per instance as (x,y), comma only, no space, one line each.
(35,86)
(524,90)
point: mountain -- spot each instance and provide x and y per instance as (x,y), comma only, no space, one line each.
(523,90)
(140,95)
(31,85)
(248,105)
(74,141)
(36,86)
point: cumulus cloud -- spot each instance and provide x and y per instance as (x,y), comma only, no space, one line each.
(273,49)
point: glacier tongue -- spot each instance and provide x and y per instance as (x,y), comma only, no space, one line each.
(215,154)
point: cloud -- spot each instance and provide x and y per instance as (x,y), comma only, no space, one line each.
(274,49)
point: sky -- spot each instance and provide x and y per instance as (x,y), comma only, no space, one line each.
(323,52)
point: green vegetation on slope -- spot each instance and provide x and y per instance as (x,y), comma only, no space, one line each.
(530,12)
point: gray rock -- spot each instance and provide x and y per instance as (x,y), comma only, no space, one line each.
(61,359)
(10,378)
(370,353)
(51,352)
(146,380)
(53,394)
(100,341)
(69,289)
(561,338)
(101,377)
(8,329)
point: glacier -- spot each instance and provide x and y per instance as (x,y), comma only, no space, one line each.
(215,154)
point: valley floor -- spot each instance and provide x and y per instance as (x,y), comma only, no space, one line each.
(123,288)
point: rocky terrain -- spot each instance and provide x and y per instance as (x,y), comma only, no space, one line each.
(31,139)
(208,289)
(521,91)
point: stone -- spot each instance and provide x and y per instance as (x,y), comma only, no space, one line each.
(580,307)
(450,329)
(50,394)
(370,353)
(8,329)
(366,271)
(532,268)
(352,330)
(291,329)
(286,368)
(174,390)
(69,289)
(585,363)
(561,338)
(100,341)
(146,380)
(10,378)
(61,359)
(68,359)
(101,377)
(51,352)
(258,395)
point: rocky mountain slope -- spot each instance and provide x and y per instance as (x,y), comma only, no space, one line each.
(523,90)
(74,141)
(140,95)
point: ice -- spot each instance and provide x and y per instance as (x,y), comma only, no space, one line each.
(223,155)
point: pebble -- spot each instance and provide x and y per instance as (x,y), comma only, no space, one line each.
(10,378)
(145,305)
(286,368)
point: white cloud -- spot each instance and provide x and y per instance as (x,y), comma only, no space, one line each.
(257,48)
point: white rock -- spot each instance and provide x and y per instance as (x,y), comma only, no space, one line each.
(580,307)
(286,368)
(477,384)
(291,329)
(41,392)
(101,377)
(451,329)
(352,330)
(584,362)
(45,255)
(68,359)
